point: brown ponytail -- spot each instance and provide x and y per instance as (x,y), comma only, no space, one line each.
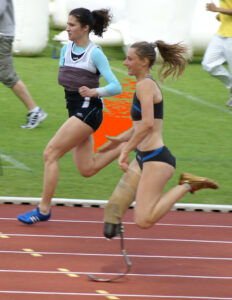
(173,55)
(174,59)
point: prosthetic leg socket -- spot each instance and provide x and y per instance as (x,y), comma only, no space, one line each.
(119,202)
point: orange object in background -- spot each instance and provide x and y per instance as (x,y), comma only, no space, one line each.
(116,114)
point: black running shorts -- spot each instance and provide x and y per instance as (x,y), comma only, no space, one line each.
(88,110)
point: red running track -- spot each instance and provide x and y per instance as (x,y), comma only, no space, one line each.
(187,255)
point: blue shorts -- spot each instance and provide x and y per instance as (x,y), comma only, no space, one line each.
(88,110)
(161,154)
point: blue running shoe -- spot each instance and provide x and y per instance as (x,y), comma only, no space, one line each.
(34,216)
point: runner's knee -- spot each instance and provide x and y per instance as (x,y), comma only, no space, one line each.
(142,221)
(87,171)
(50,154)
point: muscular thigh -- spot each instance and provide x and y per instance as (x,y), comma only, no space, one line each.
(71,134)
(83,154)
(153,180)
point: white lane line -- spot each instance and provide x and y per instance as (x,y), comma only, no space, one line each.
(114,295)
(15,164)
(126,238)
(120,255)
(132,223)
(185,95)
(195,225)
(113,274)
(195,99)
(66,221)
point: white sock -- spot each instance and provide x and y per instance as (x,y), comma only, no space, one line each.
(36,109)
(188,185)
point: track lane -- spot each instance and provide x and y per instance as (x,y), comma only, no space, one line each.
(166,263)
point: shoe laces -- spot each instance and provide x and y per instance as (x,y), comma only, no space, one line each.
(32,118)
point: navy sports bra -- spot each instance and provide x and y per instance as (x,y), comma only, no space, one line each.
(135,111)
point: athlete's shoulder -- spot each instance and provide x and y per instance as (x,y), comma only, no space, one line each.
(98,55)
(66,46)
(96,49)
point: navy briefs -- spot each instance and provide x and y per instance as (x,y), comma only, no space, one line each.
(160,154)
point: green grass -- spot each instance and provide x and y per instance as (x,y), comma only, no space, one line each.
(198,135)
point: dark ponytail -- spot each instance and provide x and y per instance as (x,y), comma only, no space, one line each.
(98,20)
(102,20)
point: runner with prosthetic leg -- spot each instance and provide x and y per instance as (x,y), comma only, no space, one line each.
(123,196)
(125,192)
(145,178)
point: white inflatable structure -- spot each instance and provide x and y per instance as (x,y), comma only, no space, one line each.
(170,20)
(32,25)
(61,9)
(112,36)
(204,26)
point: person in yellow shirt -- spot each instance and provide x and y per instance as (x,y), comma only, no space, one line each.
(219,49)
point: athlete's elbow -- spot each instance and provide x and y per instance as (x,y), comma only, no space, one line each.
(118,89)
(113,90)
(147,125)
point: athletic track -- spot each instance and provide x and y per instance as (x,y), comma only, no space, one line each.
(187,255)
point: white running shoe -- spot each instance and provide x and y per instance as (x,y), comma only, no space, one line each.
(34,118)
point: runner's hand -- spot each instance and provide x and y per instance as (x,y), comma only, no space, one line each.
(124,161)
(86,92)
(113,142)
